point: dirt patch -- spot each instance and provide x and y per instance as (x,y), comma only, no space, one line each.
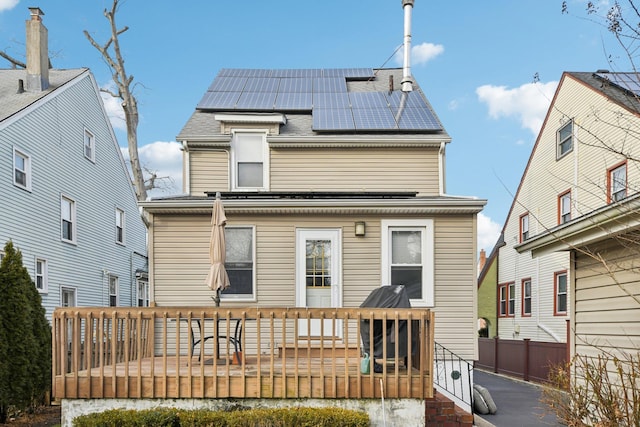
(46,416)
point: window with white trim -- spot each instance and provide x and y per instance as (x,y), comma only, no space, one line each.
(617,182)
(42,275)
(560,288)
(564,207)
(113,291)
(526,297)
(524,227)
(21,169)
(565,140)
(143,293)
(408,258)
(240,262)
(506,300)
(68,297)
(120,226)
(68,219)
(249,158)
(89,145)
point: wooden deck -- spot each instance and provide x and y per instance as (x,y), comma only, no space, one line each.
(149,353)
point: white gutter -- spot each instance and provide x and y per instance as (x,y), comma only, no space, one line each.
(442,166)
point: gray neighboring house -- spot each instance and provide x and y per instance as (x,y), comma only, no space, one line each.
(68,202)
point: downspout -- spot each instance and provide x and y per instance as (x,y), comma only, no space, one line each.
(442,166)
(407,81)
(186,170)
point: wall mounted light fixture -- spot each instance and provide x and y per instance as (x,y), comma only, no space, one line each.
(361,228)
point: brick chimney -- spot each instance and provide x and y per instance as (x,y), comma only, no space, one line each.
(483,259)
(37,52)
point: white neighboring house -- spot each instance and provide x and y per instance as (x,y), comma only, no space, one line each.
(582,163)
(68,202)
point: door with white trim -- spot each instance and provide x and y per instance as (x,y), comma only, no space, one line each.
(318,276)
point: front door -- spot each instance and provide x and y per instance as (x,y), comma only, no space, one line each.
(318,276)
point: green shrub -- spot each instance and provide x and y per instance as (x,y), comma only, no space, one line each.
(280,417)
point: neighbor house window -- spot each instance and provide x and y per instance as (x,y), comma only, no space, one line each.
(617,182)
(113,291)
(524,227)
(526,297)
(67,297)
(565,139)
(68,219)
(506,299)
(21,169)
(560,303)
(249,161)
(564,207)
(89,146)
(240,262)
(408,258)
(41,275)
(119,226)
(143,293)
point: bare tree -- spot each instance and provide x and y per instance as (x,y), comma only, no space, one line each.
(111,53)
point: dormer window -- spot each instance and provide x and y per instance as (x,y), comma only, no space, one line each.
(249,157)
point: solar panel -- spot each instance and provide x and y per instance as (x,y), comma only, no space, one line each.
(228,84)
(294,101)
(224,100)
(374,119)
(262,84)
(330,100)
(329,84)
(333,119)
(256,101)
(417,119)
(628,81)
(297,84)
(368,100)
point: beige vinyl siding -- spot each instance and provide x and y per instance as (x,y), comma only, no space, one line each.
(209,171)
(607,306)
(180,247)
(351,169)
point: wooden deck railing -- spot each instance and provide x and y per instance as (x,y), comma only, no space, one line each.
(129,352)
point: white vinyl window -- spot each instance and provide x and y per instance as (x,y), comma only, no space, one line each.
(524,227)
(68,297)
(113,291)
(68,219)
(21,169)
(89,145)
(564,207)
(120,226)
(561,288)
(240,262)
(617,183)
(143,293)
(408,258)
(565,140)
(42,275)
(250,168)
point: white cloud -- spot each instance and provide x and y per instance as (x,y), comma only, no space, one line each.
(420,54)
(488,233)
(7,4)
(164,159)
(528,103)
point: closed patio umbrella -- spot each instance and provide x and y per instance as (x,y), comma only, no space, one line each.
(217,279)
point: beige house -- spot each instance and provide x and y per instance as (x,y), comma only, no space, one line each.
(333,185)
(563,255)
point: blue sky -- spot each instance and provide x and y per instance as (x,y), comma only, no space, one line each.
(475,61)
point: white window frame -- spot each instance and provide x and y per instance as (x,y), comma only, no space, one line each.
(73,291)
(560,142)
(42,275)
(616,188)
(26,171)
(428,255)
(73,220)
(564,216)
(236,135)
(114,278)
(252,296)
(89,143)
(557,294)
(144,295)
(524,227)
(120,226)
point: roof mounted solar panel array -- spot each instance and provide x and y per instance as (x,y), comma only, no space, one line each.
(325,93)
(628,81)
